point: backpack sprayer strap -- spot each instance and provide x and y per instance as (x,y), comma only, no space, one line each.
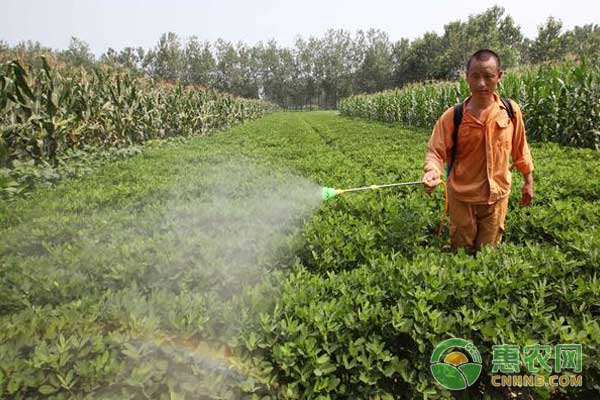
(458,111)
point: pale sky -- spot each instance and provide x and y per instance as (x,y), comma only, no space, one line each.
(117,24)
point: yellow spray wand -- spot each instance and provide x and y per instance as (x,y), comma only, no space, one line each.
(329,193)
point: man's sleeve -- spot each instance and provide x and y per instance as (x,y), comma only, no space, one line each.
(521,156)
(439,145)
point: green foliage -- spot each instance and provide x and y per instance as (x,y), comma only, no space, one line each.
(559,103)
(316,72)
(25,176)
(78,53)
(373,328)
(374,291)
(47,111)
(112,284)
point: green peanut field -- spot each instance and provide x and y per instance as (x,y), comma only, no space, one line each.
(209,267)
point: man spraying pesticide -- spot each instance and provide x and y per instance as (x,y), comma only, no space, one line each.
(477,139)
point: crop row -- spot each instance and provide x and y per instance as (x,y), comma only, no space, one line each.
(374,290)
(110,282)
(46,111)
(560,103)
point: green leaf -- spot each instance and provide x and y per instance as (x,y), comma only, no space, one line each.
(47,389)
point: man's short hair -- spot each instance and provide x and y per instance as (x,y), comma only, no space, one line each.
(484,55)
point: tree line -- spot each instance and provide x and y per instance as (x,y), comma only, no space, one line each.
(319,71)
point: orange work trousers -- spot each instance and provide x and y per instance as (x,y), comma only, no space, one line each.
(475,225)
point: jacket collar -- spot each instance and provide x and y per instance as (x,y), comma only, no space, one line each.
(493,113)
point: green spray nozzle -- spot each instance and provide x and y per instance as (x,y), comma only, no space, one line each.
(328,193)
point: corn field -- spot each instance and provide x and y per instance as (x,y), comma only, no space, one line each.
(560,103)
(45,111)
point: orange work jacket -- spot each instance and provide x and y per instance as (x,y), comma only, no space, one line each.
(481,172)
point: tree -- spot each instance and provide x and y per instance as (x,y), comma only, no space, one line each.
(200,65)
(273,72)
(129,58)
(78,53)
(109,57)
(227,69)
(550,44)
(456,42)
(338,64)
(375,72)
(308,81)
(511,42)
(424,59)
(167,58)
(584,41)
(488,30)
(248,74)
(400,52)
(335,65)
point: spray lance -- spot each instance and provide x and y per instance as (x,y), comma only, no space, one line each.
(329,193)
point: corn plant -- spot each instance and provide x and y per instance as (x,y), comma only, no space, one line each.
(44,111)
(560,103)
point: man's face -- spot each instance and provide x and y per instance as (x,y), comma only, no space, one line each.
(483,77)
